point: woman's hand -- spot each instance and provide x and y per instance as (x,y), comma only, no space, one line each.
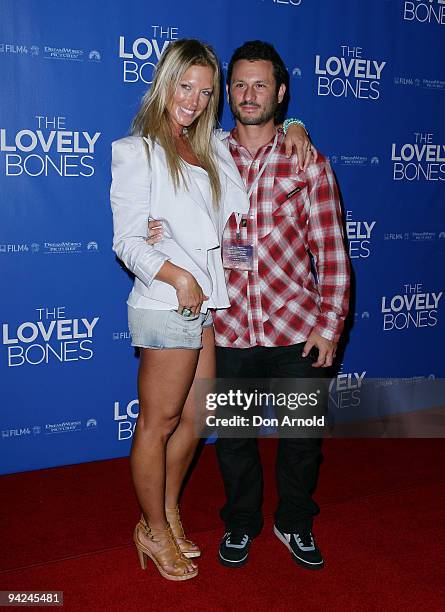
(297,137)
(189,293)
(155,232)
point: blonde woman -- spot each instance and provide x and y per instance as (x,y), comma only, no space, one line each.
(174,169)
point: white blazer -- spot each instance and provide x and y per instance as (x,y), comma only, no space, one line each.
(141,189)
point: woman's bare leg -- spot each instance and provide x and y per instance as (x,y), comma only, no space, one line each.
(181,446)
(164,381)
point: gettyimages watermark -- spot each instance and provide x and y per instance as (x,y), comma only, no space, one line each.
(320,407)
(242,408)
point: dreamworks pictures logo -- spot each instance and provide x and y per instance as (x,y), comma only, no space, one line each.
(141,55)
(354,160)
(420,160)
(424,11)
(349,75)
(71,54)
(50,338)
(64,247)
(69,426)
(49,148)
(125,416)
(413,307)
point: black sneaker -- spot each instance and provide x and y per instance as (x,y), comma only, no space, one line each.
(234,549)
(302,546)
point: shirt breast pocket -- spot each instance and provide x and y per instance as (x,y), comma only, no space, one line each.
(290,198)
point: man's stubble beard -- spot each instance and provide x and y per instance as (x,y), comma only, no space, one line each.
(267,114)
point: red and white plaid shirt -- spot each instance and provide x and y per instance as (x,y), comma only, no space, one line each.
(291,213)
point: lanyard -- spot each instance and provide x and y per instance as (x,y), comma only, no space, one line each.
(255,183)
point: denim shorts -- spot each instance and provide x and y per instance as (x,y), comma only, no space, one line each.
(164,329)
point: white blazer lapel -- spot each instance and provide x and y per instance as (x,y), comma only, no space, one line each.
(236,199)
(194,192)
(226,163)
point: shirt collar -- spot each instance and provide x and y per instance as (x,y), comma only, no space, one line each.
(233,141)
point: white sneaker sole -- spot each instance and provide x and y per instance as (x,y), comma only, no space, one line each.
(229,562)
(308,564)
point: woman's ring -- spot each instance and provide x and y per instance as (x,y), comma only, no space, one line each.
(186,312)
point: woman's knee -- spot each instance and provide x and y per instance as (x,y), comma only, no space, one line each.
(160,425)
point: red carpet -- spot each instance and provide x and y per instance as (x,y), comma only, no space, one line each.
(381,530)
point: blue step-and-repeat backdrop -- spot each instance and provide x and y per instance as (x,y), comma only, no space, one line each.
(368,78)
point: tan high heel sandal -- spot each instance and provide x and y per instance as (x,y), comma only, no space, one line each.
(187,547)
(169,555)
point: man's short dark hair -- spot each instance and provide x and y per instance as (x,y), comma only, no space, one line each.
(255,50)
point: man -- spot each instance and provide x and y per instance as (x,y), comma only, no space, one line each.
(282,323)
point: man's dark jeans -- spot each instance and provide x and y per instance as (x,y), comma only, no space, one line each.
(297,458)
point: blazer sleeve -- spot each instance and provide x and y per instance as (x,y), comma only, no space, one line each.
(130,204)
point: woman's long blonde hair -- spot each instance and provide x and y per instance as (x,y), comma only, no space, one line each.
(152,119)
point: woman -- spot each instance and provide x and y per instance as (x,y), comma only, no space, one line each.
(182,175)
